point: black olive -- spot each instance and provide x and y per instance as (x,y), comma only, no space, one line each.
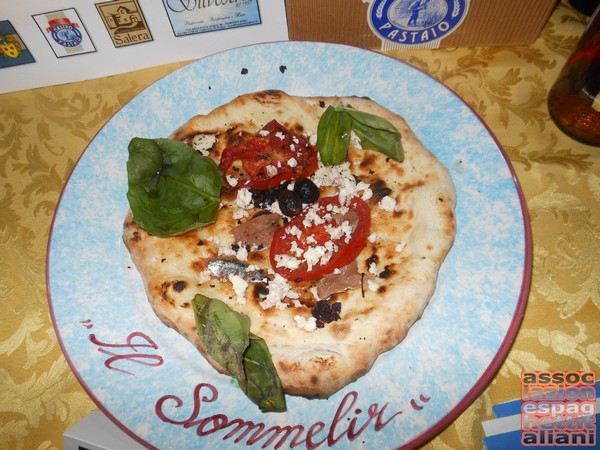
(306,190)
(263,198)
(289,202)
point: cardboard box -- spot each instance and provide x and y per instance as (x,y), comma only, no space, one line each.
(396,24)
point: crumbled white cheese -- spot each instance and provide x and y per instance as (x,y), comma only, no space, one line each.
(294,231)
(313,255)
(387,203)
(373,269)
(239,213)
(332,175)
(287,262)
(264,133)
(271,170)
(312,216)
(340,176)
(373,286)
(239,287)
(319,254)
(344,230)
(242,253)
(203,143)
(367,193)
(312,139)
(244,198)
(232,181)
(278,290)
(305,324)
(400,246)
(274,208)
(296,250)
(292,162)
(373,238)
(225,251)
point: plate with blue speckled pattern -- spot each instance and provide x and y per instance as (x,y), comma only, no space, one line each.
(155,385)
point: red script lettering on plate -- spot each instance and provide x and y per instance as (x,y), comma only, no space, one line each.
(146,359)
(349,422)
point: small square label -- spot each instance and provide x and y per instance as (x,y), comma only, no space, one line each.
(65,32)
(13,51)
(124,22)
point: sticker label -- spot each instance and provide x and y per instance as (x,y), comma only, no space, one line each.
(124,22)
(412,23)
(13,51)
(203,16)
(64,32)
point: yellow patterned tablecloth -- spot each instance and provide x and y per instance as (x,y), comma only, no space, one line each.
(44,131)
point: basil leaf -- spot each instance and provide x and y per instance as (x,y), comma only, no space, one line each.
(172,188)
(226,335)
(375,133)
(263,385)
(367,119)
(384,141)
(333,136)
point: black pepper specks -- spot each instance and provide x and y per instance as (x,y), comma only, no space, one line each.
(244,71)
(282,69)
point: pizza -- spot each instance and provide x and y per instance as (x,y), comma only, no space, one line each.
(332,254)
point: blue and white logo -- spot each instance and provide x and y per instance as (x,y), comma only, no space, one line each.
(416,22)
(66,35)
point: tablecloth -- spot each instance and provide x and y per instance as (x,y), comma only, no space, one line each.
(44,131)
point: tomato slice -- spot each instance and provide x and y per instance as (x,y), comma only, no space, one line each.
(322,238)
(272,156)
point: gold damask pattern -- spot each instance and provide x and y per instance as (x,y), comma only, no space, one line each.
(44,131)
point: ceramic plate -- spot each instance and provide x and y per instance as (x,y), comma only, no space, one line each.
(157,387)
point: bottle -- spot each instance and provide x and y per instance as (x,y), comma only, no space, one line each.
(574,99)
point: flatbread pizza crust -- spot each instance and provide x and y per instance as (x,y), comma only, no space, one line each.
(400,262)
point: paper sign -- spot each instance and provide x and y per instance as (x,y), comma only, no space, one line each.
(199,16)
(125,22)
(13,51)
(64,32)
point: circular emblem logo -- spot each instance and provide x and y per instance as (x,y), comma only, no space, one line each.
(416,22)
(66,35)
